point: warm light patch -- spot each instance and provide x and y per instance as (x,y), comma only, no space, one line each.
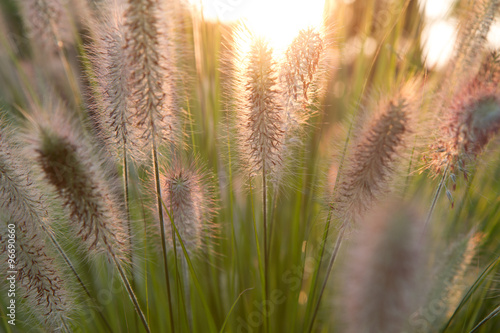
(439,38)
(439,35)
(279,21)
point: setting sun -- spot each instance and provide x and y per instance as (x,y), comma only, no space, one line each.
(279,21)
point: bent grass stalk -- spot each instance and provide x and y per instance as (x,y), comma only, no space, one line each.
(131,293)
(231,310)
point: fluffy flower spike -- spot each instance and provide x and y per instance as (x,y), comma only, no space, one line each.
(21,206)
(48,23)
(190,199)
(373,158)
(81,182)
(151,72)
(472,119)
(260,120)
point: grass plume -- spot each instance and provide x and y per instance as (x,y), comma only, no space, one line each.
(382,271)
(260,113)
(81,183)
(470,121)
(22,206)
(48,24)
(190,200)
(373,157)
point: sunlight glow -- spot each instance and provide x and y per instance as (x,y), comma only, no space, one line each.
(439,35)
(439,38)
(277,20)
(494,35)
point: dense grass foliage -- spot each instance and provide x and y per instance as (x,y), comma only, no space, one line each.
(166,173)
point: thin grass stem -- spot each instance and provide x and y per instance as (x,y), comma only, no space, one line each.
(231,212)
(131,294)
(187,292)
(259,257)
(211,323)
(436,196)
(338,242)
(162,231)
(231,310)
(266,255)
(492,314)
(145,260)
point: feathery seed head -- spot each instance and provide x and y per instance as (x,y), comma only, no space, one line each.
(473,118)
(489,72)
(449,278)
(260,123)
(455,291)
(382,273)
(190,200)
(39,275)
(151,73)
(299,86)
(81,183)
(109,60)
(472,38)
(302,59)
(18,197)
(372,161)
(21,205)
(48,23)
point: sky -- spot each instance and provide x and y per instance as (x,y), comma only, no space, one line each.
(280,21)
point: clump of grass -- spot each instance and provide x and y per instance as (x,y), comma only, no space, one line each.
(368,171)
(137,55)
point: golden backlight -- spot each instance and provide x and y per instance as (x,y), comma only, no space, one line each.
(279,21)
